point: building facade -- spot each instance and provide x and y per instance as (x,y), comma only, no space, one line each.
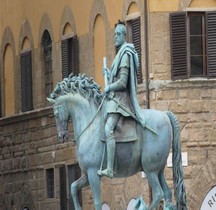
(41,42)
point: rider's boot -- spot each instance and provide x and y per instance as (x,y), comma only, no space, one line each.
(110,158)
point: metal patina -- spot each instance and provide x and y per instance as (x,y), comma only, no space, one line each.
(101,151)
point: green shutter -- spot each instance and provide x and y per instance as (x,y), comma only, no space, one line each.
(74,173)
(211,43)
(65,58)
(178,38)
(136,38)
(63,188)
(70,56)
(26,81)
(75,55)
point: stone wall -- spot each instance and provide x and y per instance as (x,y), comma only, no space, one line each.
(28,147)
(193,102)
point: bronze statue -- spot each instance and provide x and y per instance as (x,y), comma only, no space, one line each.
(121,92)
(149,133)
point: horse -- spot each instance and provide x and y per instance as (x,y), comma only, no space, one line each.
(79,98)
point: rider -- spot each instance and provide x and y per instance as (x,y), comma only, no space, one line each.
(121,92)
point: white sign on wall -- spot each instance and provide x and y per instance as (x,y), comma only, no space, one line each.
(184,159)
(209,202)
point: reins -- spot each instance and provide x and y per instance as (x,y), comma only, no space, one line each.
(76,139)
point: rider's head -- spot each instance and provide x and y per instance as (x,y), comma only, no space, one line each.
(120,35)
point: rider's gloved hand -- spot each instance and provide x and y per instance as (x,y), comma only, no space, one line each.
(106,72)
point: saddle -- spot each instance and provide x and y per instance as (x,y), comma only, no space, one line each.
(125,130)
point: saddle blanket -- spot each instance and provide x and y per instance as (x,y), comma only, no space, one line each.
(125,130)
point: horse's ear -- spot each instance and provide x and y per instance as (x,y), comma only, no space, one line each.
(52,101)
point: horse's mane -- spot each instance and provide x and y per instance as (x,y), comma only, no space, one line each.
(80,84)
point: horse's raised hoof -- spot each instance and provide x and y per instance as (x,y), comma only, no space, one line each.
(107,172)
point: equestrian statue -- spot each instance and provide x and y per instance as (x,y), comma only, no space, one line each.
(114,136)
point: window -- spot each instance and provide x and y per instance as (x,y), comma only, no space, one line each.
(63,189)
(193,44)
(73,174)
(50,182)
(197,37)
(70,56)
(0,102)
(47,56)
(26,81)
(134,36)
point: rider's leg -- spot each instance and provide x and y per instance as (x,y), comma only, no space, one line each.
(110,143)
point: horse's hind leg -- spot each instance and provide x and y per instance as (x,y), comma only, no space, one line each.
(156,188)
(166,190)
(165,187)
(75,186)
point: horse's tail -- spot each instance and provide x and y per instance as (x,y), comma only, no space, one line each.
(178,176)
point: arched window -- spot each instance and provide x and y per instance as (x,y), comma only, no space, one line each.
(47,60)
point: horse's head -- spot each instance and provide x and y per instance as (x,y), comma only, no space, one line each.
(72,90)
(62,117)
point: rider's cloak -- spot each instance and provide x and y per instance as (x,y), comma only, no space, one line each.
(128,48)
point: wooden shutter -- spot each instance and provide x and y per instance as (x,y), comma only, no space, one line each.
(74,173)
(75,55)
(26,81)
(211,43)
(178,38)
(63,189)
(136,38)
(0,102)
(65,58)
(50,182)
(70,56)
(48,69)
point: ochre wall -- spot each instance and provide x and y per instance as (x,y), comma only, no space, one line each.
(9,101)
(163,5)
(203,3)
(132,9)
(99,49)
(114,11)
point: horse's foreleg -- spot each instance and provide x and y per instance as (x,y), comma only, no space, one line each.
(94,181)
(156,188)
(75,186)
